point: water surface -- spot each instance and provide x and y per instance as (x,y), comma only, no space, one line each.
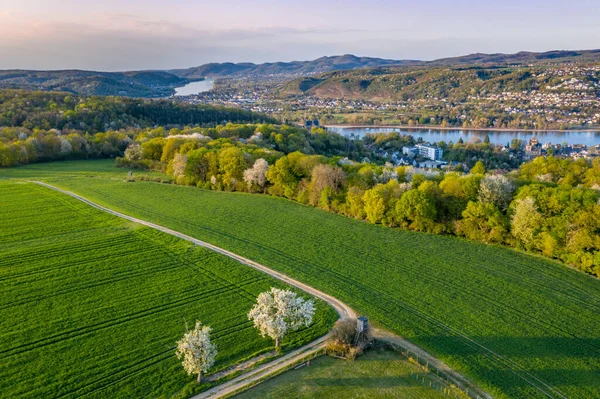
(496,136)
(195,87)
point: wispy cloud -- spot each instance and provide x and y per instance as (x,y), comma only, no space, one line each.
(131,40)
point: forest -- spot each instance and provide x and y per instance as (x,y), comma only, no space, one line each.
(65,111)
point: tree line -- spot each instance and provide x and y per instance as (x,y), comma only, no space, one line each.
(548,206)
(20,146)
(65,111)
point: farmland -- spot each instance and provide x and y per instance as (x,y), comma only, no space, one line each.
(517,324)
(92,305)
(377,374)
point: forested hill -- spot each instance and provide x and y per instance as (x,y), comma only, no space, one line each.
(351,62)
(64,111)
(153,84)
(521,58)
(439,82)
(131,84)
(294,68)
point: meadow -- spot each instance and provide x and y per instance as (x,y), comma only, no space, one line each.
(376,374)
(92,305)
(519,325)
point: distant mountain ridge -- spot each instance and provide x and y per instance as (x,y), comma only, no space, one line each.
(522,57)
(294,68)
(162,83)
(351,62)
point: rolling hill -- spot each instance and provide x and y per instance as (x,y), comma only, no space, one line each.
(522,57)
(294,68)
(519,325)
(454,83)
(131,84)
(162,83)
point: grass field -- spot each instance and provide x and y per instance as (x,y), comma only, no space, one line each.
(92,305)
(377,374)
(517,324)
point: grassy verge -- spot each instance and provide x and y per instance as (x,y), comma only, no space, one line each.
(379,373)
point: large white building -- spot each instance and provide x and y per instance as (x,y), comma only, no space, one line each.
(430,152)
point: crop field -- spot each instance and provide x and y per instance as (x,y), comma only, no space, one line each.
(92,305)
(521,326)
(376,374)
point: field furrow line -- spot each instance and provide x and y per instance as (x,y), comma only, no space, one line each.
(343,309)
(74,333)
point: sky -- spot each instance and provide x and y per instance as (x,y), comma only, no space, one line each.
(116,35)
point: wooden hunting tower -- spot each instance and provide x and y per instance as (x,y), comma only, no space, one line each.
(362,324)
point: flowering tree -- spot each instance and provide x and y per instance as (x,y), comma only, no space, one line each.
(179,164)
(134,152)
(197,351)
(496,189)
(257,174)
(278,311)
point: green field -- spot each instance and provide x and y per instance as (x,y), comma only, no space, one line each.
(92,305)
(376,374)
(517,324)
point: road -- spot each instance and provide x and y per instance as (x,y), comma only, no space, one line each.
(266,369)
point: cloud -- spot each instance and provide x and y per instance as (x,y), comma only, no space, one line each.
(124,41)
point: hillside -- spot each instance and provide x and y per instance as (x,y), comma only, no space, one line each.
(294,68)
(131,84)
(93,305)
(162,83)
(435,82)
(522,57)
(518,324)
(60,110)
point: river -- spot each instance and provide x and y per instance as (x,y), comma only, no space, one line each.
(195,87)
(496,136)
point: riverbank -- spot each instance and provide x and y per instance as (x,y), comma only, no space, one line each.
(465,129)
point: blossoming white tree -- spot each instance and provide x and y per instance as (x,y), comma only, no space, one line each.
(197,351)
(278,311)
(257,174)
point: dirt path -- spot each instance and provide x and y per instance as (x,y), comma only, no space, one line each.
(285,361)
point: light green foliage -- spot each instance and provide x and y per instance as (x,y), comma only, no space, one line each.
(478,169)
(153,148)
(231,166)
(356,205)
(374,205)
(416,210)
(93,305)
(282,178)
(526,221)
(483,221)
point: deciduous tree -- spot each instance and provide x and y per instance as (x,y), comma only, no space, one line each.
(197,350)
(278,311)
(256,176)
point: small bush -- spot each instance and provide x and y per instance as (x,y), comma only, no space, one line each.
(341,340)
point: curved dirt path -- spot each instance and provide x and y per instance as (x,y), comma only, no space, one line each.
(263,371)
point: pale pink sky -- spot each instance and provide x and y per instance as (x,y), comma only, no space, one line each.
(133,34)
